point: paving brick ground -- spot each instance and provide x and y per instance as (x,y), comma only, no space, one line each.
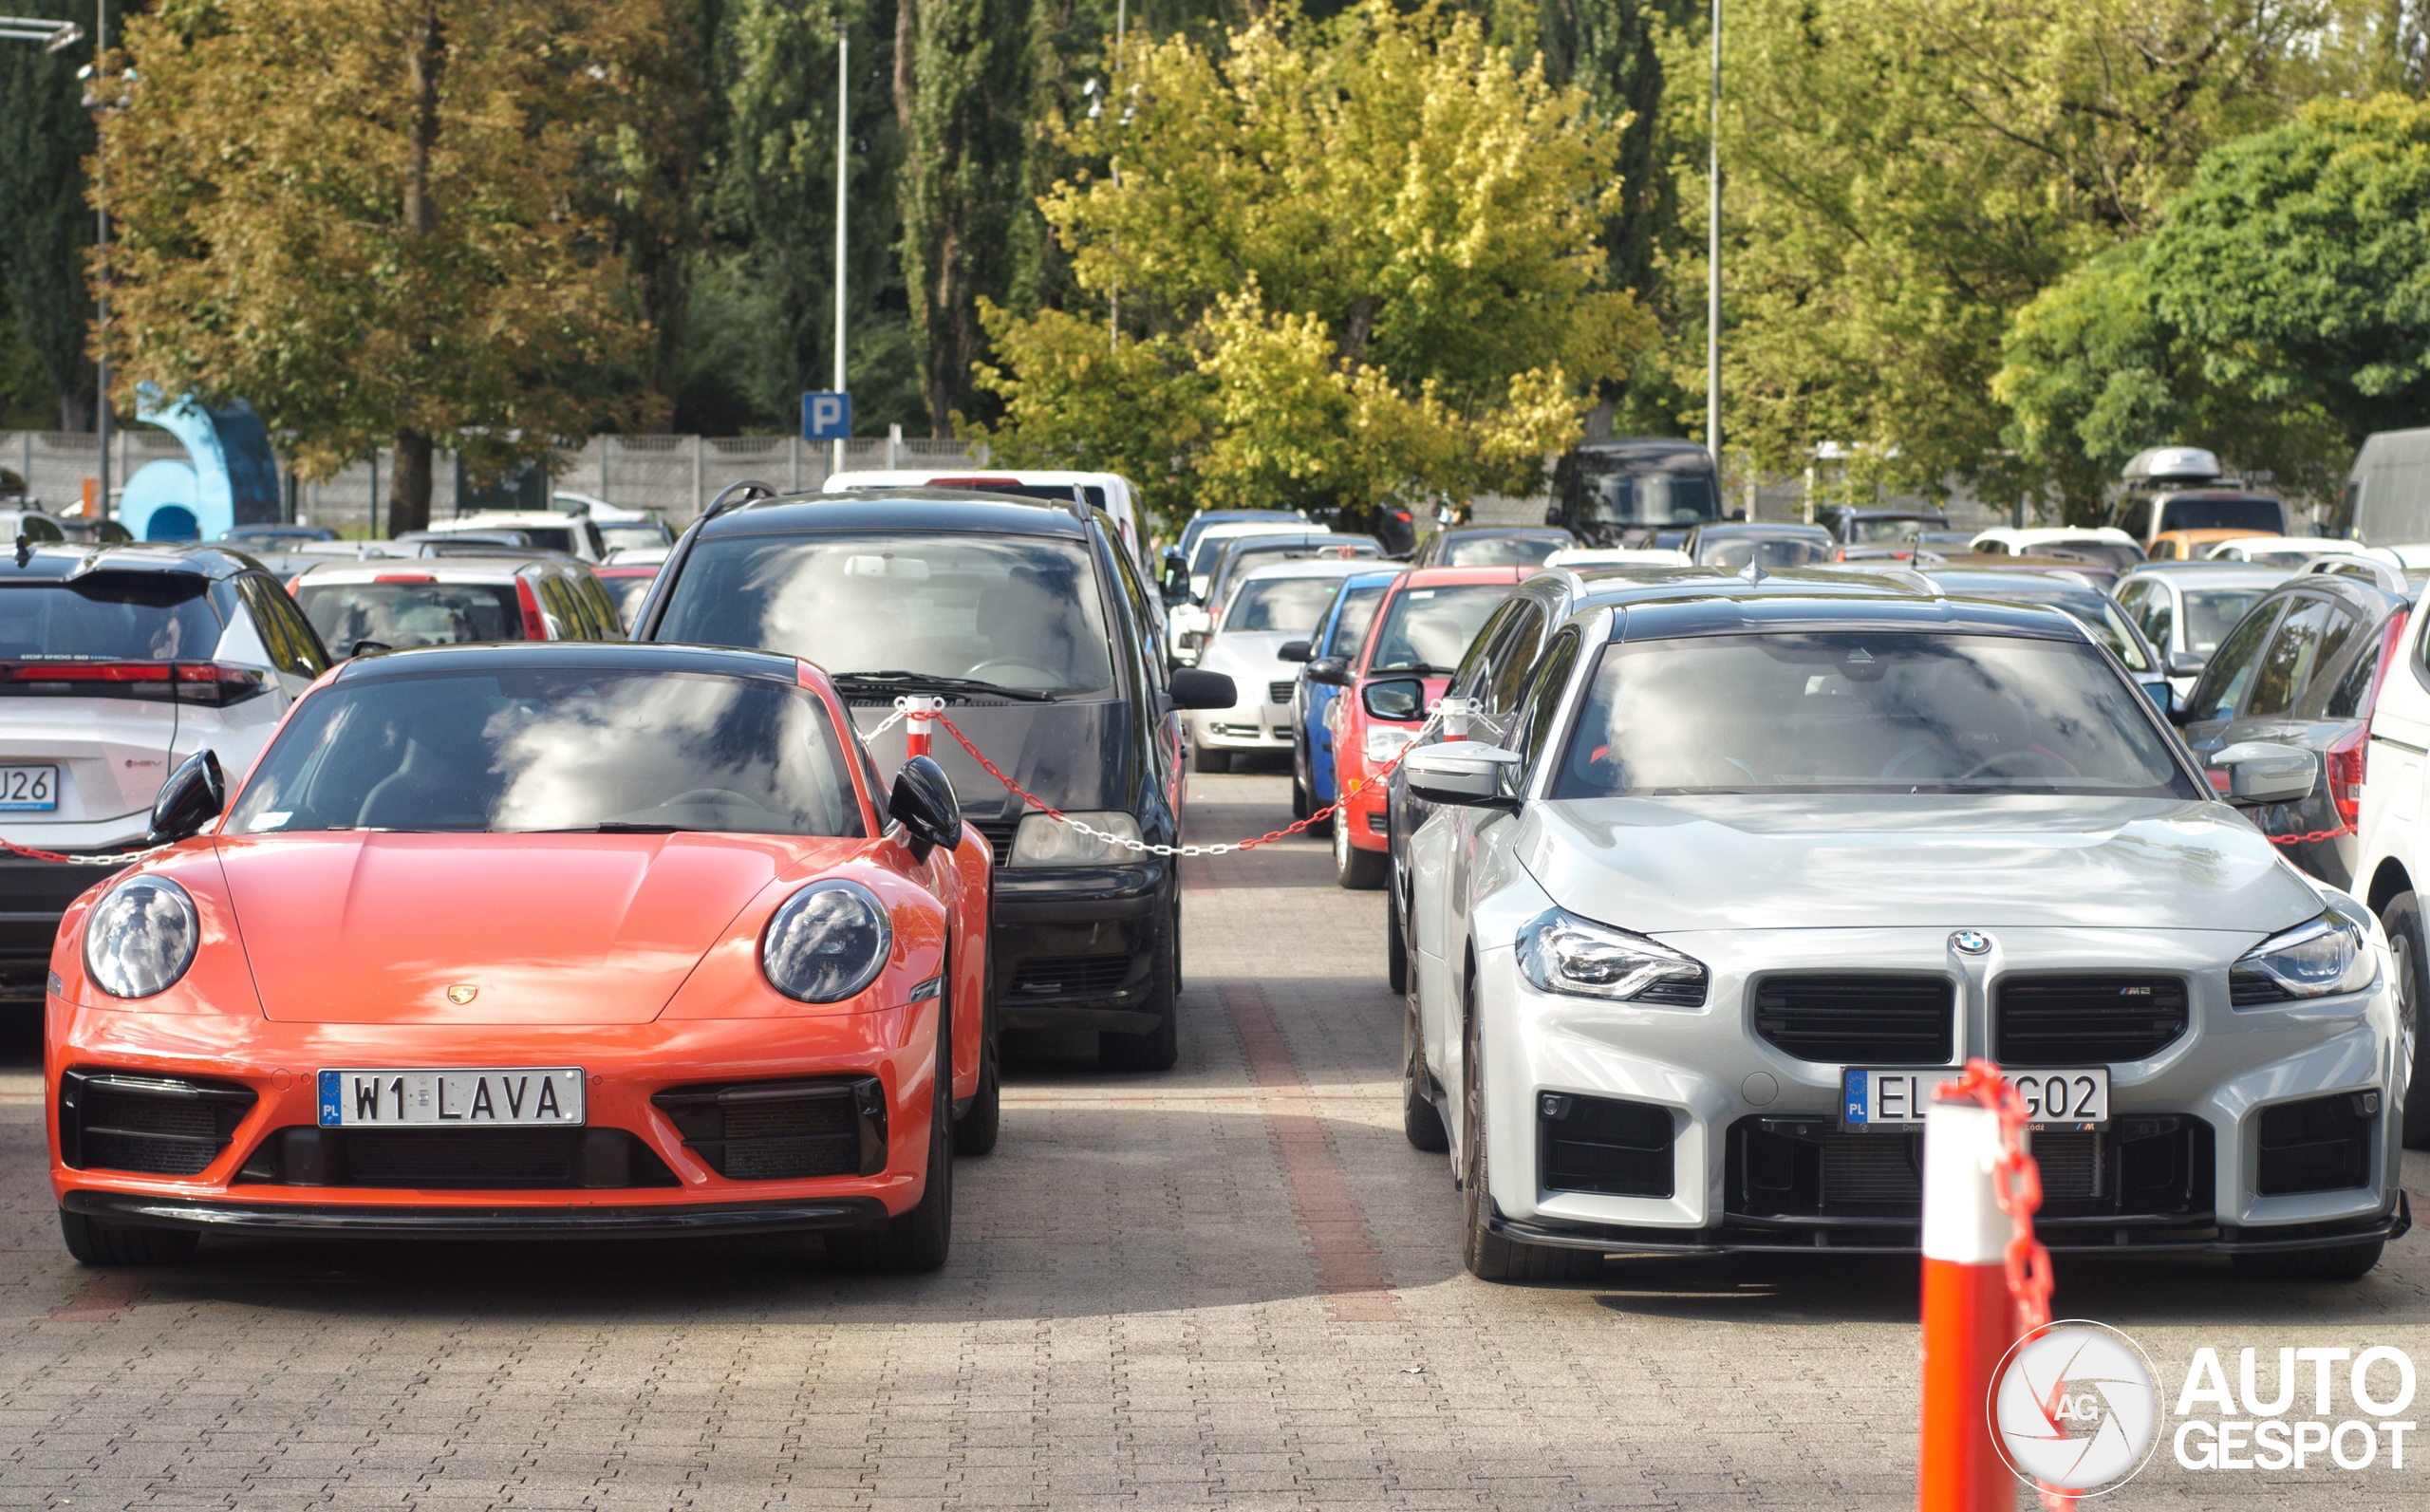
(1233,1285)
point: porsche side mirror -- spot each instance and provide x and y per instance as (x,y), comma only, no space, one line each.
(1295,651)
(924,803)
(194,795)
(1196,689)
(2266,772)
(2186,664)
(1465,774)
(1333,671)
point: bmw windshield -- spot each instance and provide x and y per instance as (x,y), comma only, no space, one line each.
(1865,712)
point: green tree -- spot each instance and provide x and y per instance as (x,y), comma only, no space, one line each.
(46,224)
(1352,258)
(390,220)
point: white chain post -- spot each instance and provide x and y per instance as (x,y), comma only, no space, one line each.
(921,709)
(1454,715)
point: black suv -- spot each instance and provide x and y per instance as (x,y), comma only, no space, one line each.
(1035,627)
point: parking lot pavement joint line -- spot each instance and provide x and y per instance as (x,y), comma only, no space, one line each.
(99,1300)
(1349,1264)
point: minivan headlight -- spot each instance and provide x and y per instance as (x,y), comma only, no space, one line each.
(2319,957)
(827,942)
(1045,841)
(141,938)
(1561,952)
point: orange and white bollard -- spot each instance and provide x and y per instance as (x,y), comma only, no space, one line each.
(1456,714)
(1970,1318)
(920,711)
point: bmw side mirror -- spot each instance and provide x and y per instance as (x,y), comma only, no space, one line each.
(1196,689)
(1464,773)
(1333,671)
(195,795)
(2265,771)
(1295,651)
(924,803)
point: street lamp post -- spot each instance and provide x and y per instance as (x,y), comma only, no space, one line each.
(1712,258)
(843,133)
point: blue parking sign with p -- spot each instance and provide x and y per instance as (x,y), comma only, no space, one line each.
(826,417)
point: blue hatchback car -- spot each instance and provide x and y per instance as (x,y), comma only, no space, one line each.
(1340,633)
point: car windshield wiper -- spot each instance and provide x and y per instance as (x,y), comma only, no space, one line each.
(1421,668)
(894,678)
(608,827)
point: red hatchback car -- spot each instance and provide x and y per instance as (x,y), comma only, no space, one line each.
(1422,630)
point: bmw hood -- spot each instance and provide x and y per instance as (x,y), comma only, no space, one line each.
(1658,865)
(356,927)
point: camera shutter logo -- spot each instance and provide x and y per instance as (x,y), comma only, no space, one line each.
(2076,1407)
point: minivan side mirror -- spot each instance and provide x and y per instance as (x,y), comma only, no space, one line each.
(2266,772)
(1333,671)
(1196,689)
(923,802)
(1295,651)
(195,795)
(1463,772)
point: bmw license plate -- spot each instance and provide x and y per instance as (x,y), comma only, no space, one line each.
(2075,1099)
(28,790)
(526,1096)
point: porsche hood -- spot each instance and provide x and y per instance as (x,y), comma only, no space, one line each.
(376,928)
(1657,864)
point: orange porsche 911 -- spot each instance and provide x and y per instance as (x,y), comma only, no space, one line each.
(522,940)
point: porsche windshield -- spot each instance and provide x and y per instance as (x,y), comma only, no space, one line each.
(518,749)
(1018,612)
(1849,712)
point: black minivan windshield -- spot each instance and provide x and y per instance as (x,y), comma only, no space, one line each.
(1021,613)
(1618,496)
(1865,712)
(520,749)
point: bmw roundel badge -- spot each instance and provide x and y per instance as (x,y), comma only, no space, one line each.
(1970,942)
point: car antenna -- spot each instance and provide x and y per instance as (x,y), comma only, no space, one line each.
(25,548)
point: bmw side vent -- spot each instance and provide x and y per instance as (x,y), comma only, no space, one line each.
(783,1131)
(496,1160)
(2318,1145)
(154,1126)
(1856,1019)
(1603,1145)
(2069,1020)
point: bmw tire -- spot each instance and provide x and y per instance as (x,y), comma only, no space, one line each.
(1487,1256)
(2410,945)
(918,1241)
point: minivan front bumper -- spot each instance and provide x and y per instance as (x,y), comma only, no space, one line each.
(1079,947)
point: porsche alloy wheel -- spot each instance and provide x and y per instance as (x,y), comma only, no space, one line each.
(919,1239)
(1487,1256)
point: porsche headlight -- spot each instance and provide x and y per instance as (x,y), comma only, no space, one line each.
(2317,959)
(1046,841)
(827,942)
(1561,952)
(141,938)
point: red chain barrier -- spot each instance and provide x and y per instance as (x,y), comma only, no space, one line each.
(2314,838)
(1268,838)
(110,858)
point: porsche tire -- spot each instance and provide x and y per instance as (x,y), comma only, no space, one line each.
(1487,1256)
(1160,1046)
(98,1242)
(975,1131)
(2410,945)
(916,1242)
(1396,943)
(1358,870)
(2344,1263)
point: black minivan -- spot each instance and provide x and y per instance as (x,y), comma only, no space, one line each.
(1035,627)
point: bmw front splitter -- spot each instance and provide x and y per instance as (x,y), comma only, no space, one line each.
(383,1221)
(1898,1237)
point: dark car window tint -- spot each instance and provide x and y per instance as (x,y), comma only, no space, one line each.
(1513,661)
(410,613)
(2335,642)
(2264,514)
(1475,672)
(2211,613)
(1543,697)
(1358,615)
(286,634)
(554,749)
(1021,612)
(2152,609)
(2350,698)
(2286,665)
(109,616)
(1865,712)
(2224,680)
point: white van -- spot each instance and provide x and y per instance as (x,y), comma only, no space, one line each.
(1110,492)
(2386,499)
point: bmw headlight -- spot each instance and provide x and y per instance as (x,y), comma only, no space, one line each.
(1385,742)
(1046,841)
(1561,952)
(139,938)
(2317,959)
(828,941)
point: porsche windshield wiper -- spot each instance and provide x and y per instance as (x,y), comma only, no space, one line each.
(892,679)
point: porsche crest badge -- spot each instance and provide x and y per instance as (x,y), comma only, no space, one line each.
(463,993)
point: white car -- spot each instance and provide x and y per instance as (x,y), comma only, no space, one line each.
(1270,608)
(118,664)
(2285,550)
(1110,492)
(549,530)
(1760,862)
(2106,542)
(1187,621)
(1583,557)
